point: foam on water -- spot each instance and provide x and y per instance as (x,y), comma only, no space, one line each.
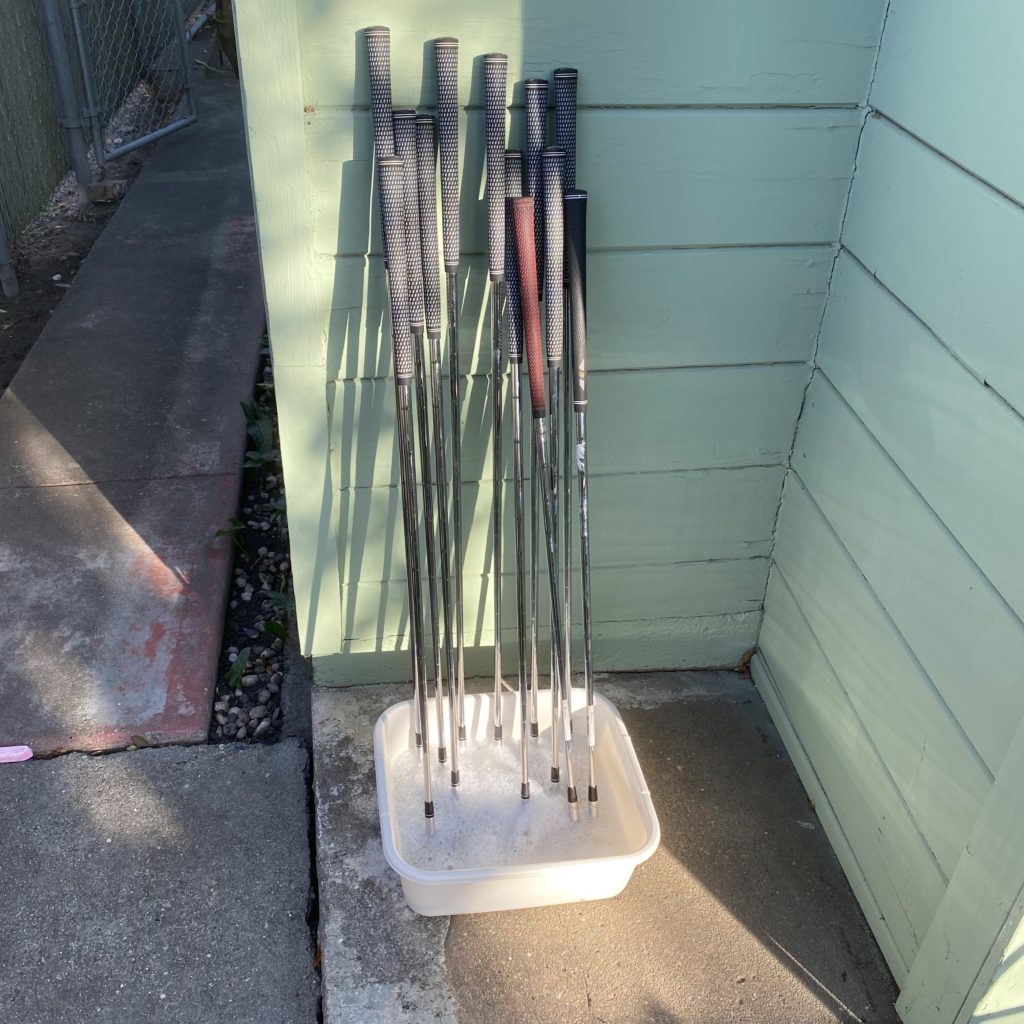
(485,822)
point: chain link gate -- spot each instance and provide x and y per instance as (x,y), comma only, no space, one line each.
(135,71)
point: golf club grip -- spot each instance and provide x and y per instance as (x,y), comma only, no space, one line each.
(391,182)
(522,221)
(495,92)
(446,56)
(552,163)
(576,262)
(566,80)
(536,93)
(405,150)
(378,50)
(513,190)
(426,186)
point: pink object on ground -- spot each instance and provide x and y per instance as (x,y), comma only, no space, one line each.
(10,754)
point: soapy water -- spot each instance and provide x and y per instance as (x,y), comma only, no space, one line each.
(485,822)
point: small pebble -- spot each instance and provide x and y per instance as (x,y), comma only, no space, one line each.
(284,566)
(234,604)
(247,597)
(261,728)
(264,695)
(258,712)
(221,719)
(235,711)
(241,732)
(233,657)
(221,705)
(251,633)
(276,715)
(250,680)
(274,686)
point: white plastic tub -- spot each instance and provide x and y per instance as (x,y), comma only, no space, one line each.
(488,848)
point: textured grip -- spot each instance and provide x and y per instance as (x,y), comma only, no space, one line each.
(391,182)
(446,56)
(536,92)
(552,163)
(565,120)
(526,253)
(495,98)
(513,190)
(405,150)
(576,263)
(426,186)
(378,50)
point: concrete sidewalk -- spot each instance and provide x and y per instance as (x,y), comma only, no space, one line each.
(121,444)
(166,885)
(742,915)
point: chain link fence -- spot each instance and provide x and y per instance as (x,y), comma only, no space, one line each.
(102,75)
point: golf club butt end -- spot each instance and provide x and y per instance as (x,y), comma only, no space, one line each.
(592,794)
(556,775)
(462,734)
(524,790)
(457,780)
(442,755)
(534,730)
(497,734)
(428,813)
(419,740)
(574,804)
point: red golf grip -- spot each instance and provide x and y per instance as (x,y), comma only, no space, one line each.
(526,256)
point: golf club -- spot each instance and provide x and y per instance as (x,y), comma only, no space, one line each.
(426,184)
(522,212)
(446,57)
(552,161)
(536,93)
(378,51)
(565,140)
(391,183)
(514,190)
(405,150)
(495,98)
(576,261)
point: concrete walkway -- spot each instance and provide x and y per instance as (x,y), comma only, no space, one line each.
(743,914)
(163,885)
(120,451)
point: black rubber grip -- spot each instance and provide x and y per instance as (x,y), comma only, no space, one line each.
(513,190)
(495,98)
(405,150)
(378,50)
(446,57)
(536,92)
(565,120)
(391,182)
(426,186)
(526,260)
(552,163)
(576,272)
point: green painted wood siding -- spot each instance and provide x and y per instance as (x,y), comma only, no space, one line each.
(893,628)
(717,142)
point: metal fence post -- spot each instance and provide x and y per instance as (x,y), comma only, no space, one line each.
(70,118)
(8,279)
(92,109)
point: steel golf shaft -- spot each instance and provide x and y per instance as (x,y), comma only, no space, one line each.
(551,469)
(392,185)
(522,215)
(576,262)
(495,98)
(446,58)
(513,190)
(534,585)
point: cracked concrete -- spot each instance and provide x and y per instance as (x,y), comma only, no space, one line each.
(743,914)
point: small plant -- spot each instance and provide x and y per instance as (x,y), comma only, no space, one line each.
(234,674)
(233,530)
(260,429)
(274,628)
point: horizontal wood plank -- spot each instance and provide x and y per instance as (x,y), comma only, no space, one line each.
(802,51)
(947,245)
(958,444)
(373,609)
(638,519)
(716,641)
(679,307)
(896,862)
(731,177)
(641,421)
(940,778)
(950,73)
(959,628)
